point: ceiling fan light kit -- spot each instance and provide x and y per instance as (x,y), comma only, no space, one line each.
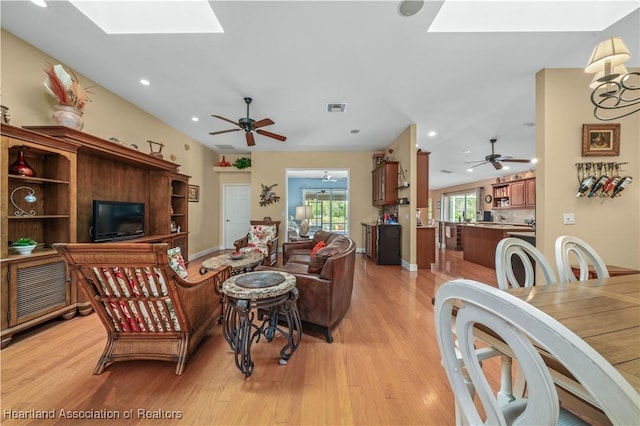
(249,125)
(616,92)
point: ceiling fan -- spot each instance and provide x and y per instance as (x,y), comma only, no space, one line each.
(249,125)
(327,177)
(496,159)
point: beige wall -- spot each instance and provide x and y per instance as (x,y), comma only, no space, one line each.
(270,167)
(106,116)
(611,226)
(404,151)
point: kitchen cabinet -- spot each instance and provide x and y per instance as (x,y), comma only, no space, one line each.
(514,195)
(425,247)
(422,183)
(385,184)
(370,232)
(453,236)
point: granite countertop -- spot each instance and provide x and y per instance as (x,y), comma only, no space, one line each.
(522,234)
(426,227)
(496,225)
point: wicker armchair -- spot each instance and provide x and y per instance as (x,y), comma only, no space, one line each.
(260,237)
(149,311)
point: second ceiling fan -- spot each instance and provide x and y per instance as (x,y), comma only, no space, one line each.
(249,125)
(496,159)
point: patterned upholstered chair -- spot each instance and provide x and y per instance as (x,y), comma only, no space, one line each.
(149,310)
(262,237)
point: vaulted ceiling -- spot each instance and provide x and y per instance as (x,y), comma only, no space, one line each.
(295,57)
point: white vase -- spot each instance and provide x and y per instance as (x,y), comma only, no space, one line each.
(68,116)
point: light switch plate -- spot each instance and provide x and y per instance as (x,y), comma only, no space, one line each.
(569,219)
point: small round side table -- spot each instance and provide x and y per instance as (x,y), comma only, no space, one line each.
(269,298)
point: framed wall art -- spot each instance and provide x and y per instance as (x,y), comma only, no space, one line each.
(194,193)
(600,140)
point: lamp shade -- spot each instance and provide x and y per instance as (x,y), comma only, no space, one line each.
(612,51)
(616,75)
(304,212)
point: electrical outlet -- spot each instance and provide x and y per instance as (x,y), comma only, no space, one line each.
(569,218)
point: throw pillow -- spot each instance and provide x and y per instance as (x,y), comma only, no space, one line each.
(317,247)
(316,261)
(177,262)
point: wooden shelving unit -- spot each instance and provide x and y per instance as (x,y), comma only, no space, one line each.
(71,168)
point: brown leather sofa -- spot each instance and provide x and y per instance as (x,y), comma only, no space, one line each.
(325,281)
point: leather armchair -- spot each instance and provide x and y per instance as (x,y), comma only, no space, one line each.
(270,250)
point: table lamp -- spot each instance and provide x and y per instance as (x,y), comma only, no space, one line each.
(303,213)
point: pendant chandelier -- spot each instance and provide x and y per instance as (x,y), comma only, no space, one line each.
(616,92)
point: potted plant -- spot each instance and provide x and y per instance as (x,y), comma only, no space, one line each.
(24,245)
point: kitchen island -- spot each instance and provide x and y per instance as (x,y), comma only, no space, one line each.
(480,241)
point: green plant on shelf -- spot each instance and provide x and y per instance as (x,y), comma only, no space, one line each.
(24,242)
(242,163)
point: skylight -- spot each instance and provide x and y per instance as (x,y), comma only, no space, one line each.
(529,16)
(150,16)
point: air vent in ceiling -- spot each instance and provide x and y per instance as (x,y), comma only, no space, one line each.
(336,107)
(446,171)
(223,147)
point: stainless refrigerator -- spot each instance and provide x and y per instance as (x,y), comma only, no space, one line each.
(388,245)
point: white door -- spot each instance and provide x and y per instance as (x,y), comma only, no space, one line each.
(237,213)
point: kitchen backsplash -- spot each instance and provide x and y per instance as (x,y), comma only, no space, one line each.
(513,215)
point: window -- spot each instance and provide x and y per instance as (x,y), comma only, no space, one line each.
(461,205)
(329,209)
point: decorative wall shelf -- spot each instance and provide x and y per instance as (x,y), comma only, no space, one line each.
(231,170)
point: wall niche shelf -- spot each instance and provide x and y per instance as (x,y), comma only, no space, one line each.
(231,170)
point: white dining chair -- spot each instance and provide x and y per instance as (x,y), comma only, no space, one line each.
(566,248)
(531,258)
(510,247)
(465,304)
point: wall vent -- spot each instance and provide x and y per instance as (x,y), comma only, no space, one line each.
(336,107)
(225,147)
(446,171)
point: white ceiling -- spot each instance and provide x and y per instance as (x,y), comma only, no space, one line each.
(294,57)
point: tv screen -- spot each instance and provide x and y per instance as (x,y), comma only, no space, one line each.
(117,220)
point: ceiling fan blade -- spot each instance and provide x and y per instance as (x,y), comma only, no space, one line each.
(263,122)
(477,161)
(226,119)
(224,131)
(271,135)
(515,160)
(250,140)
(496,165)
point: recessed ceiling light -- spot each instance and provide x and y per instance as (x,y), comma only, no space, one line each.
(469,169)
(534,160)
(354,131)
(159,17)
(432,133)
(195,119)
(144,82)
(506,168)
(40,3)
(410,7)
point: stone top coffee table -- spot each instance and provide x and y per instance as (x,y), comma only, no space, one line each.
(248,261)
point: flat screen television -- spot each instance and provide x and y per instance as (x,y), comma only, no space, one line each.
(117,220)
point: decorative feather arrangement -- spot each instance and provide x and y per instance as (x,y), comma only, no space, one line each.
(65,87)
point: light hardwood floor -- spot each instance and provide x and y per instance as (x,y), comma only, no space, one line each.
(382,369)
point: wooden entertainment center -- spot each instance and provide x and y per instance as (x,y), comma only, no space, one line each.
(71,170)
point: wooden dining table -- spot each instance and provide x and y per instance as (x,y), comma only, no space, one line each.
(605,313)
